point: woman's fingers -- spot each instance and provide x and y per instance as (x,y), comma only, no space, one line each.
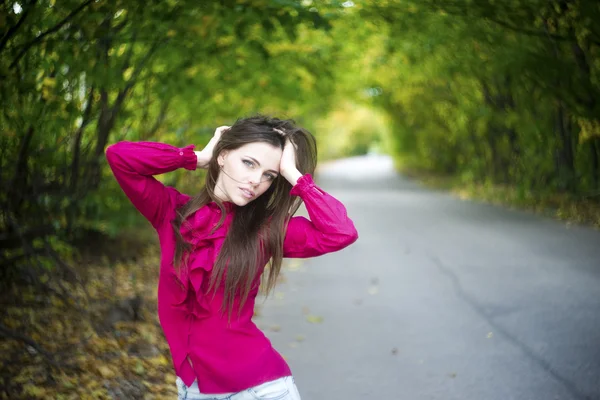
(288,141)
(219,131)
(205,155)
(217,136)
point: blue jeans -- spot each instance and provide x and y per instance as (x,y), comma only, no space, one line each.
(279,389)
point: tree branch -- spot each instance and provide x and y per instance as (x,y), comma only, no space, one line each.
(16,27)
(159,119)
(86,119)
(530,32)
(55,28)
(459,10)
(18,181)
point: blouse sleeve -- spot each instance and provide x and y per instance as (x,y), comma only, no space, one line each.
(135,163)
(329,228)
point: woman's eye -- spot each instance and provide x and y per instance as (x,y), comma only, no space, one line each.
(248,163)
(270,176)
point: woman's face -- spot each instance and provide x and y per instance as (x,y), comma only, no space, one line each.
(247,172)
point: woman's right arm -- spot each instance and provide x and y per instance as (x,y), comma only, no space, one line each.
(135,163)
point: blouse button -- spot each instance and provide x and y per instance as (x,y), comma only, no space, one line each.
(181,153)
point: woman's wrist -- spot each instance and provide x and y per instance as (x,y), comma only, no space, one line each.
(292,176)
(203,159)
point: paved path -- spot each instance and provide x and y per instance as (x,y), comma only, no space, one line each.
(440,299)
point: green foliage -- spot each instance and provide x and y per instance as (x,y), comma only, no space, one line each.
(77,77)
(488,92)
(493,92)
(500,96)
(353,129)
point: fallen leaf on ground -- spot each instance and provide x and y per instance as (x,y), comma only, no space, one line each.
(314,319)
(294,264)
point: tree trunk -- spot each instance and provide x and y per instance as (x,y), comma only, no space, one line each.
(565,160)
(595,159)
(73,210)
(17,188)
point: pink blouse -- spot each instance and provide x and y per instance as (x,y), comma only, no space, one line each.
(226,356)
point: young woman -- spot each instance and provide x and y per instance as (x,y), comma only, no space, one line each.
(214,247)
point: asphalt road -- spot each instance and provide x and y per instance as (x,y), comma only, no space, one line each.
(440,298)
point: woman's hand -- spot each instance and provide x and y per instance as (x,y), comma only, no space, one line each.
(287,165)
(205,155)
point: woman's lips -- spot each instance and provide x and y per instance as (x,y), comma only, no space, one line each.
(247,193)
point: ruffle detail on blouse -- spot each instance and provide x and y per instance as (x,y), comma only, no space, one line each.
(305,182)
(193,277)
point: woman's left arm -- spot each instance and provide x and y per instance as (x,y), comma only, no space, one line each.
(329,228)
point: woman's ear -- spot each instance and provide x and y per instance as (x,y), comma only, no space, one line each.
(221,158)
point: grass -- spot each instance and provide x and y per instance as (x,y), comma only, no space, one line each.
(561,206)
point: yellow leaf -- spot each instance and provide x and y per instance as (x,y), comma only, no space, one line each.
(139,368)
(35,391)
(49,82)
(373,290)
(225,40)
(127,73)
(294,264)
(192,71)
(66,382)
(159,361)
(105,371)
(314,319)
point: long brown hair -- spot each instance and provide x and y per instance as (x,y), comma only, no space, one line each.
(258,228)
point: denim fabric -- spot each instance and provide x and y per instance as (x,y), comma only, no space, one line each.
(279,389)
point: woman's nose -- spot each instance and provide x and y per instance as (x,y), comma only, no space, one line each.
(255,179)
